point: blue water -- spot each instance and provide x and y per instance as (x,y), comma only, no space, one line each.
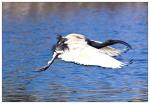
(29,32)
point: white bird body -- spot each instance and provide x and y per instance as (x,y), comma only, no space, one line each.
(79,39)
(81,53)
(81,50)
(93,57)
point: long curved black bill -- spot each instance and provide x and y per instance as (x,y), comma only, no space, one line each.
(49,63)
(112,42)
(106,43)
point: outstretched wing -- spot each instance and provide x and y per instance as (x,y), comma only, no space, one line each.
(104,47)
(91,56)
(110,51)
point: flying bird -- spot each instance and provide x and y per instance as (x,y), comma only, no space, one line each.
(81,50)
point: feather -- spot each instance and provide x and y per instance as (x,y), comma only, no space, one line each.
(81,50)
(110,51)
(90,56)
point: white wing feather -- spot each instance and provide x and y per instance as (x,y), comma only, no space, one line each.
(109,50)
(88,55)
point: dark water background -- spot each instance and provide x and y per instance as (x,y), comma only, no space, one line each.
(29,32)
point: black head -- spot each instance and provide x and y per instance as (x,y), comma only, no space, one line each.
(60,45)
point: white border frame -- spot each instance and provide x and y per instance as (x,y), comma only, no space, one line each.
(74,1)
